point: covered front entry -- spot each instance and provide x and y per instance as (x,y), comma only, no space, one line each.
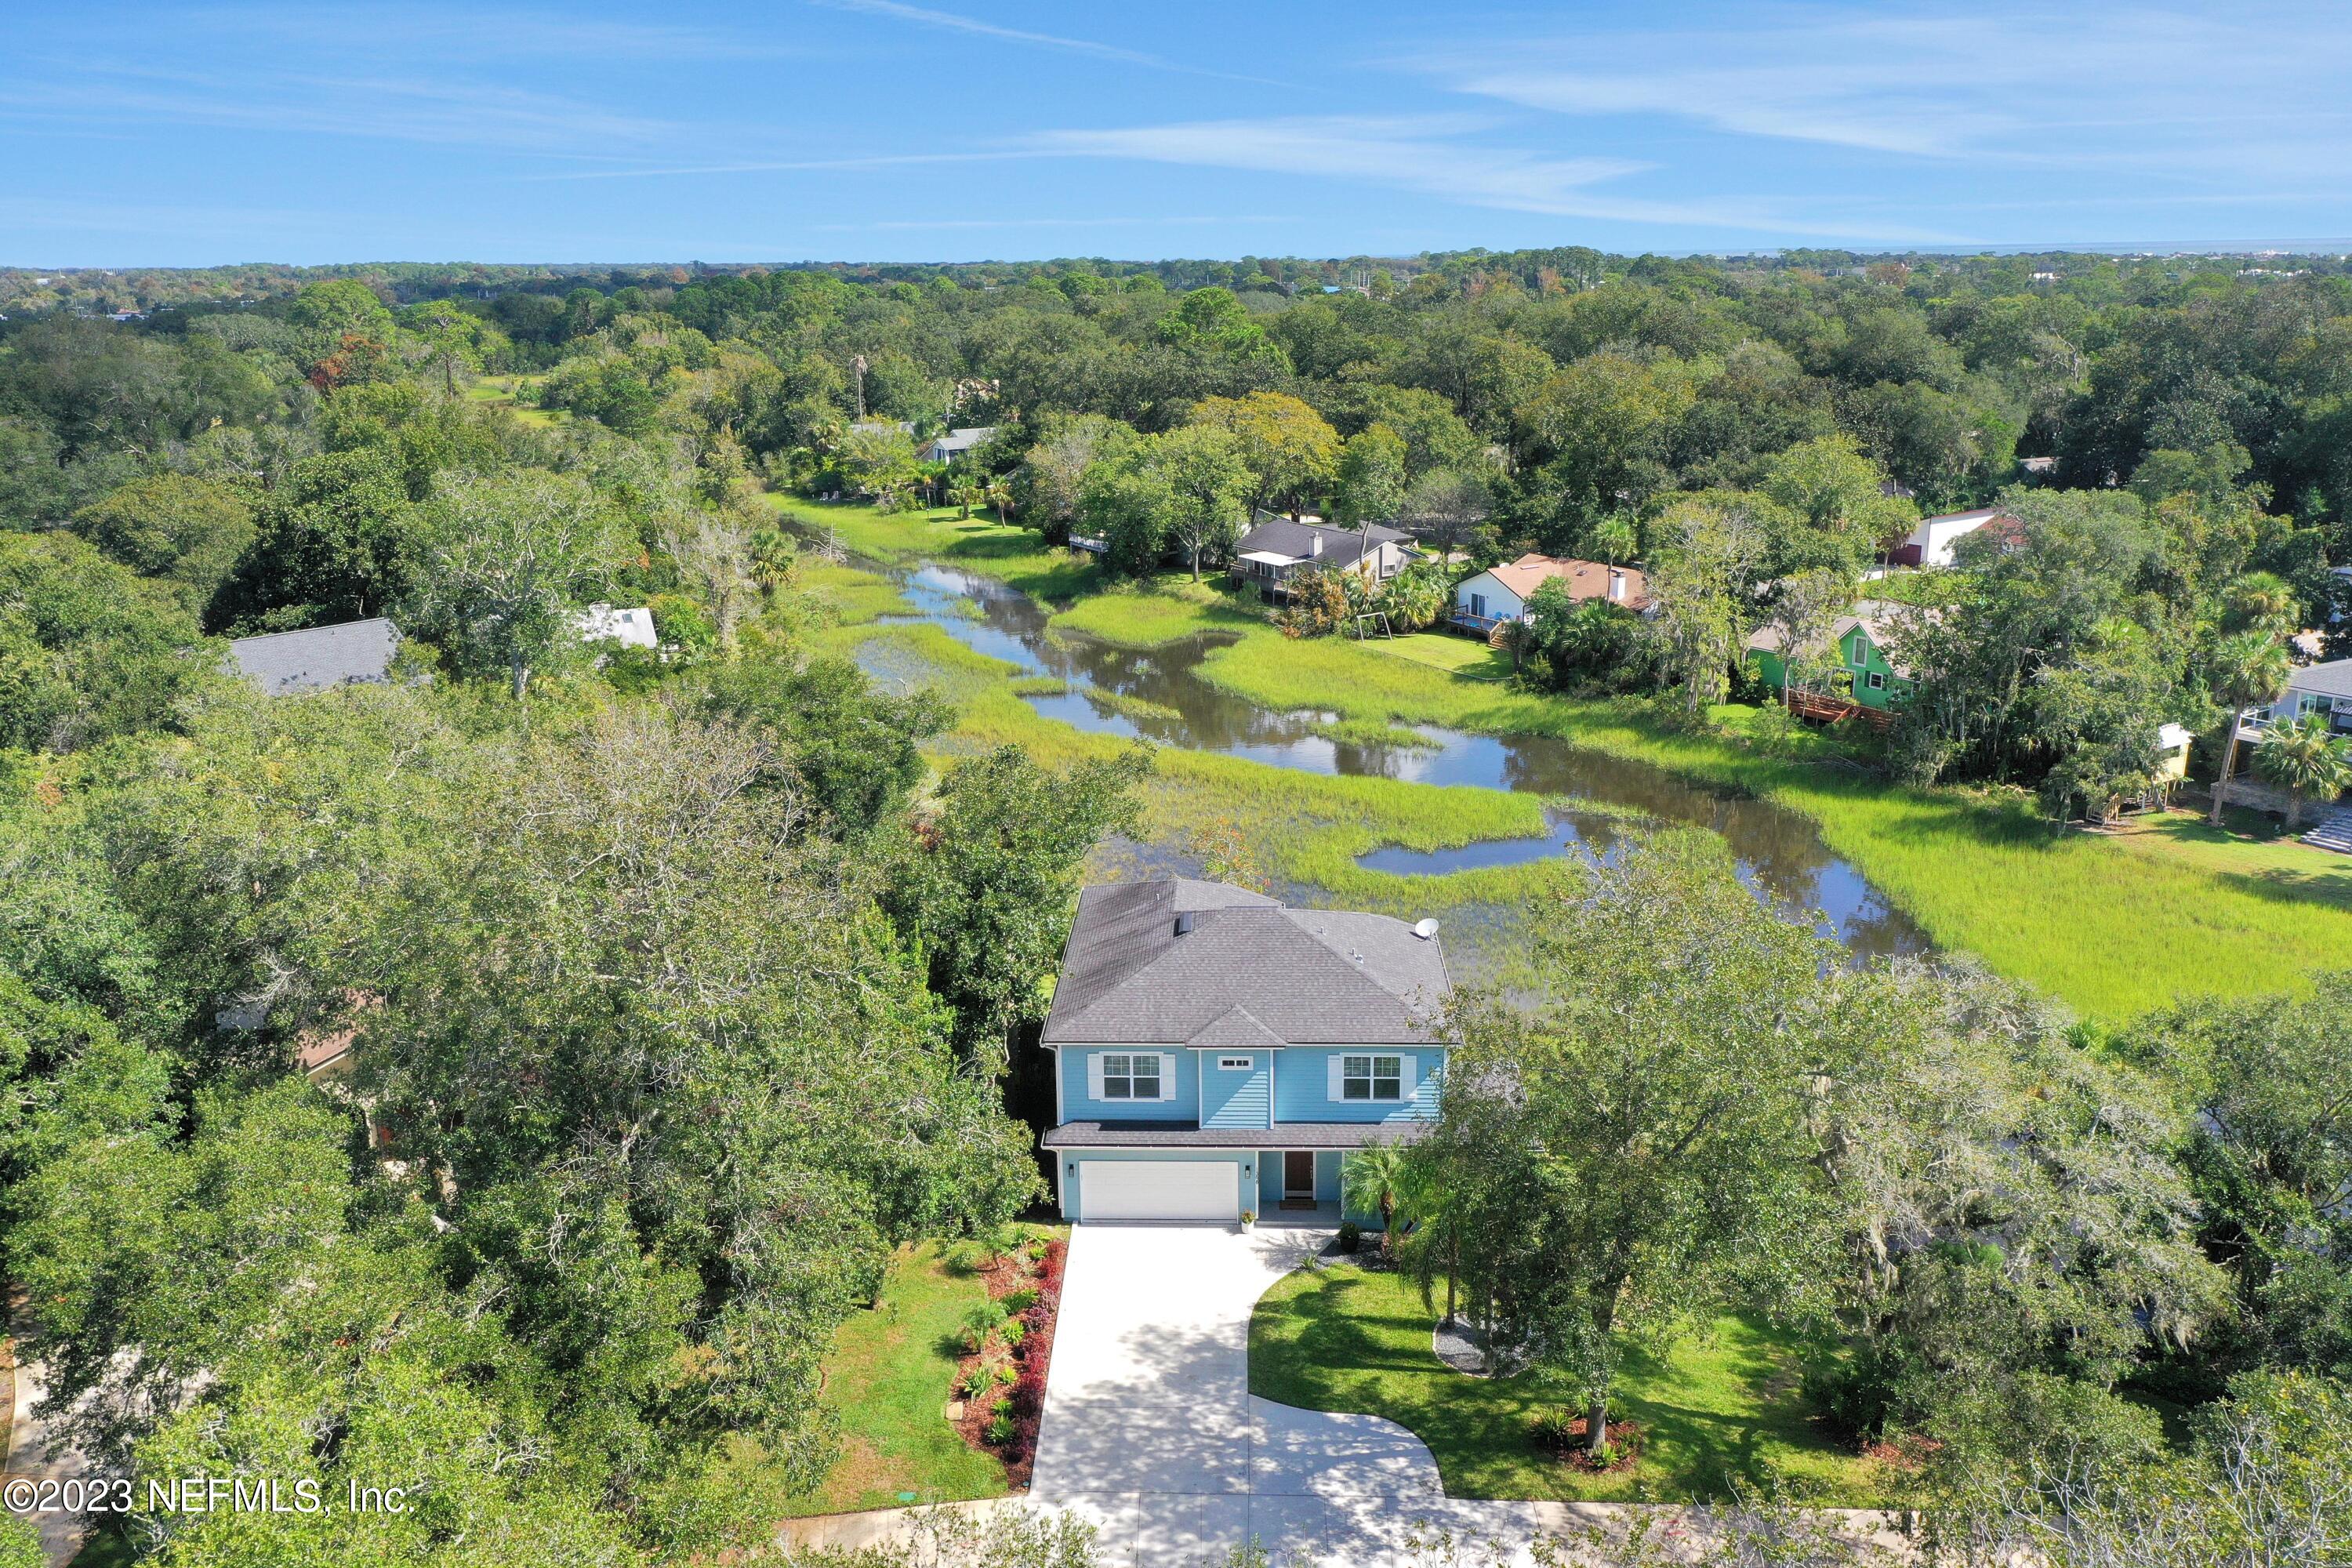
(1298,1175)
(1158,1189)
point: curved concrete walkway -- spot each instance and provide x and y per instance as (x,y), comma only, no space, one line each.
(1151,1431)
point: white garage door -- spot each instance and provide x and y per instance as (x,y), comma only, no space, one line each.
(1158,1189)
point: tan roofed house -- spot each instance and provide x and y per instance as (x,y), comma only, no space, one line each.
(1500,594)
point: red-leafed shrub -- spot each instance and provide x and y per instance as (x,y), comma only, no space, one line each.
(1027,1407)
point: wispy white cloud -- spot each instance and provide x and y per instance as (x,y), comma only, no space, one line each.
(2028,87)
(436,111)
(949,21)
(642,170)
(49,214)
(477,33)
(1443,155)
(1057,223)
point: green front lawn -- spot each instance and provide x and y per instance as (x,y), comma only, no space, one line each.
(1446,651)
(889,1377)
(1722,1408)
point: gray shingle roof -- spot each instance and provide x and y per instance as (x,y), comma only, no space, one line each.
(963,438)
(283,663)
(2333,679)
(1183,1135)
(1341,546)
(1249,971)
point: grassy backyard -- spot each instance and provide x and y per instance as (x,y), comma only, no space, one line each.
(1714,1409)
(2112,926)
(508,391)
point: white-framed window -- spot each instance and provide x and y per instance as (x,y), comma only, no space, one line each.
(1131,1076)
(1371,1078)
(1861,654)
(1235,1064)
(1875,682)
(1478,606)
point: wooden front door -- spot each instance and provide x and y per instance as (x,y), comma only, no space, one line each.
(1298,1173)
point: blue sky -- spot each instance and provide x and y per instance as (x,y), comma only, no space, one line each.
(873,129)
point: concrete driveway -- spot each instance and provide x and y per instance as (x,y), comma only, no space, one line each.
(1151,1431)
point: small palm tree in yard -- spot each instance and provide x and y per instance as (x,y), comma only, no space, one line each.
(2248,668)
(2304,758)
(998,493)
(1370,1179)
(773,554)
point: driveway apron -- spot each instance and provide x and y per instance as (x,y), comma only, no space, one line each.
(1149,1430)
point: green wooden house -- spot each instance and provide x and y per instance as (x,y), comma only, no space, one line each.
(1856,651)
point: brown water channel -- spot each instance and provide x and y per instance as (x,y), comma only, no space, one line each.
(1781,855)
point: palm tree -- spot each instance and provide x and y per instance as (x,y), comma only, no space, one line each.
(1615,539)
(2264,601)
(773,554)
(2303,757)
(2248,668)
(998,493)
(1370,1178)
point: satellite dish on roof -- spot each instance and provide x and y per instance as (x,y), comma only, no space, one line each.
(1424,929)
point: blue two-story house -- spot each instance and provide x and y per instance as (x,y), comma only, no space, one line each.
(1217,1052)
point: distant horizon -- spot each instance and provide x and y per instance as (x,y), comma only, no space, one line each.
(2337,247)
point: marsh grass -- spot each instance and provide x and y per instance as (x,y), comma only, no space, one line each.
(2111,926)
(1718,1409)
(1372,733)
(1126,704)
(979,544)
(845,595)
(1154,614)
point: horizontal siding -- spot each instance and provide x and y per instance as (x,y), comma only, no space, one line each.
(1079,1105)
(1301,1086)
(1237,1099)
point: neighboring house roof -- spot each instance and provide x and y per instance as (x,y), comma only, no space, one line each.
(320,656)
(603,623)
(1876,617)
(962,440)
(1244,972)
(1584,579)
(2333,679)
(1282,1135)
(1280,542)
(2172,737)
(884,426)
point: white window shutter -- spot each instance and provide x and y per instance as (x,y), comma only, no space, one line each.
(1334,1064)
(1094,1075)
(1405,1081)
(1167,1075)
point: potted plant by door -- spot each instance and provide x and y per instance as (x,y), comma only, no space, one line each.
(1249,1221)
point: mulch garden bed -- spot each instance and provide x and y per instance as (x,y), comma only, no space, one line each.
(1568,1442)
(1024,1398)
